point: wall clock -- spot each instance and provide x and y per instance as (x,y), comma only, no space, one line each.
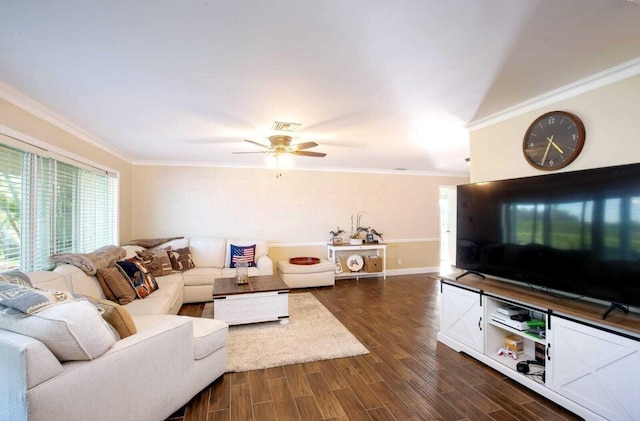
(553,140)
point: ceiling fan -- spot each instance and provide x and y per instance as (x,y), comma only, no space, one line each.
(281,144)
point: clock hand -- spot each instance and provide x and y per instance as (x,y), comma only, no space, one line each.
(546,151)
(550,139)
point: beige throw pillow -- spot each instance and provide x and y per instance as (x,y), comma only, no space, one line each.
(115,285)
(117,316)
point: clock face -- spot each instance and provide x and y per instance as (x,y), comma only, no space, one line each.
(553,140)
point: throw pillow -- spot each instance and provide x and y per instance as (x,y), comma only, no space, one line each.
(181,259)
(115,285)
(157,261)
(71,328)
(243,253)
(116,315)
(15,277)
(141,279)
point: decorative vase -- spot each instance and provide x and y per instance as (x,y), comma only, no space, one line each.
(242,273)
(355,241)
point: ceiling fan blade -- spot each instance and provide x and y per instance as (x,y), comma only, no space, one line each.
(256,143)
(304,145)
(308,153)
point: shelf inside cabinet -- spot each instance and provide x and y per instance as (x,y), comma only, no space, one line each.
(522,334)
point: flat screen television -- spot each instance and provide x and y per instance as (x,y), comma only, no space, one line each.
(576,232)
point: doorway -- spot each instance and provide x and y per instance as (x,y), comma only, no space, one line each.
(448,213)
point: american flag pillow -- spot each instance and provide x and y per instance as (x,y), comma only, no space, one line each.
(243,254)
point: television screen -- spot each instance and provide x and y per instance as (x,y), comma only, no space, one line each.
(577,232)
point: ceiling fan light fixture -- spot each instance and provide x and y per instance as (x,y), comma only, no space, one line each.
(279,160)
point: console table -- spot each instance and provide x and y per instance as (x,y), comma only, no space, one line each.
(332,253)
(588,365)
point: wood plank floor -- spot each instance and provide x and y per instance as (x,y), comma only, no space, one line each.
(407,375)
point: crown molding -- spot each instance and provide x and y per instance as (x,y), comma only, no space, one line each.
(20,100)
(598,80)
(206,164)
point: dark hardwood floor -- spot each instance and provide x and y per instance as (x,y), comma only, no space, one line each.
(407,375)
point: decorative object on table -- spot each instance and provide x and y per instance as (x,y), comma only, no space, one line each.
(372,264)
(338,265)
(553,140)
(242,271)
(304,260)
(355,262)
(376,233)
(370,238)
(335,236)
(356,229)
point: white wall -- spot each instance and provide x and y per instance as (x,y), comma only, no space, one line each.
(296,206)
(611,116)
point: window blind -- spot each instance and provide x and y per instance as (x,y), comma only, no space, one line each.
(48,206)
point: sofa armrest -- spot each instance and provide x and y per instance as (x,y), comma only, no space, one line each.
(25,363)
(265,265)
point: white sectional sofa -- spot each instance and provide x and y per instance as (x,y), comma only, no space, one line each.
(212,257)
(148,375)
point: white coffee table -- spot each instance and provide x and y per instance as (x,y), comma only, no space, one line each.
(263,299)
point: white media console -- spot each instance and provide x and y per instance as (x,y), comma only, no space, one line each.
(591,366)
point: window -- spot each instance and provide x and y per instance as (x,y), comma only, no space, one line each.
(50,206)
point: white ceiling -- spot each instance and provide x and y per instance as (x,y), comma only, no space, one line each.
(378,84)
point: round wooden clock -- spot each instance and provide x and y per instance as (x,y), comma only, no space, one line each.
(553,140)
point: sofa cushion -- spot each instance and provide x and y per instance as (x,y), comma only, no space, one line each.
(208,252)
(79,281)
(72,330)
(143,282)
(181,259)
(157,261)
(15,277)
(169,285)
(243,254)
(202,276)
(153,304)
(47,279)
(209,335)
(115,285)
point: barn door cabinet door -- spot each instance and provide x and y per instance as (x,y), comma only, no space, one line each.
(594,368)
(461,317)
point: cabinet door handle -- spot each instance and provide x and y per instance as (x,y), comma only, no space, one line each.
(548,354)
(480,323)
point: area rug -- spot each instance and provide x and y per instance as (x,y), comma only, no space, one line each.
(313,334)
